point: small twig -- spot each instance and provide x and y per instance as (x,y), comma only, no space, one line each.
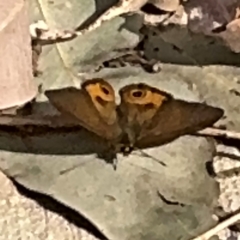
(122,7)
(41,31)
(228,222)
(215,132)
(154,20)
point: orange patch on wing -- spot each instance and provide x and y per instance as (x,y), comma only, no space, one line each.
(104,91)
(149,97)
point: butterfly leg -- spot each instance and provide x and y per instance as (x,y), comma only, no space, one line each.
(109,154)
(115,162)
(112,151)
(109,157)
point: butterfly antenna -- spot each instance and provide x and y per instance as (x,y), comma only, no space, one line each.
(72,168)
(153,158)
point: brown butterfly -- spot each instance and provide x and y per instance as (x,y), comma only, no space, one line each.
(146,116)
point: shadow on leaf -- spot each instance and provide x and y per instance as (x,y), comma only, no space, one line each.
(54,206)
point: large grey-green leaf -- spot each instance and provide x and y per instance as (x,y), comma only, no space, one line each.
(124,204)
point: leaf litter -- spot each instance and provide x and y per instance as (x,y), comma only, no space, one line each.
(73,63)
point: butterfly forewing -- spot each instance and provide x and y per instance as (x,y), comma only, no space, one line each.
(77,104)
(175,118)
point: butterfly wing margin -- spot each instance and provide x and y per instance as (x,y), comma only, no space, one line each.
(77,104)
(176,118)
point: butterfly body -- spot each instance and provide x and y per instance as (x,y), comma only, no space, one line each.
(146,116)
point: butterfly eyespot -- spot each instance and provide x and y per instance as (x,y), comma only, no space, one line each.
(105,90)
(137,94)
